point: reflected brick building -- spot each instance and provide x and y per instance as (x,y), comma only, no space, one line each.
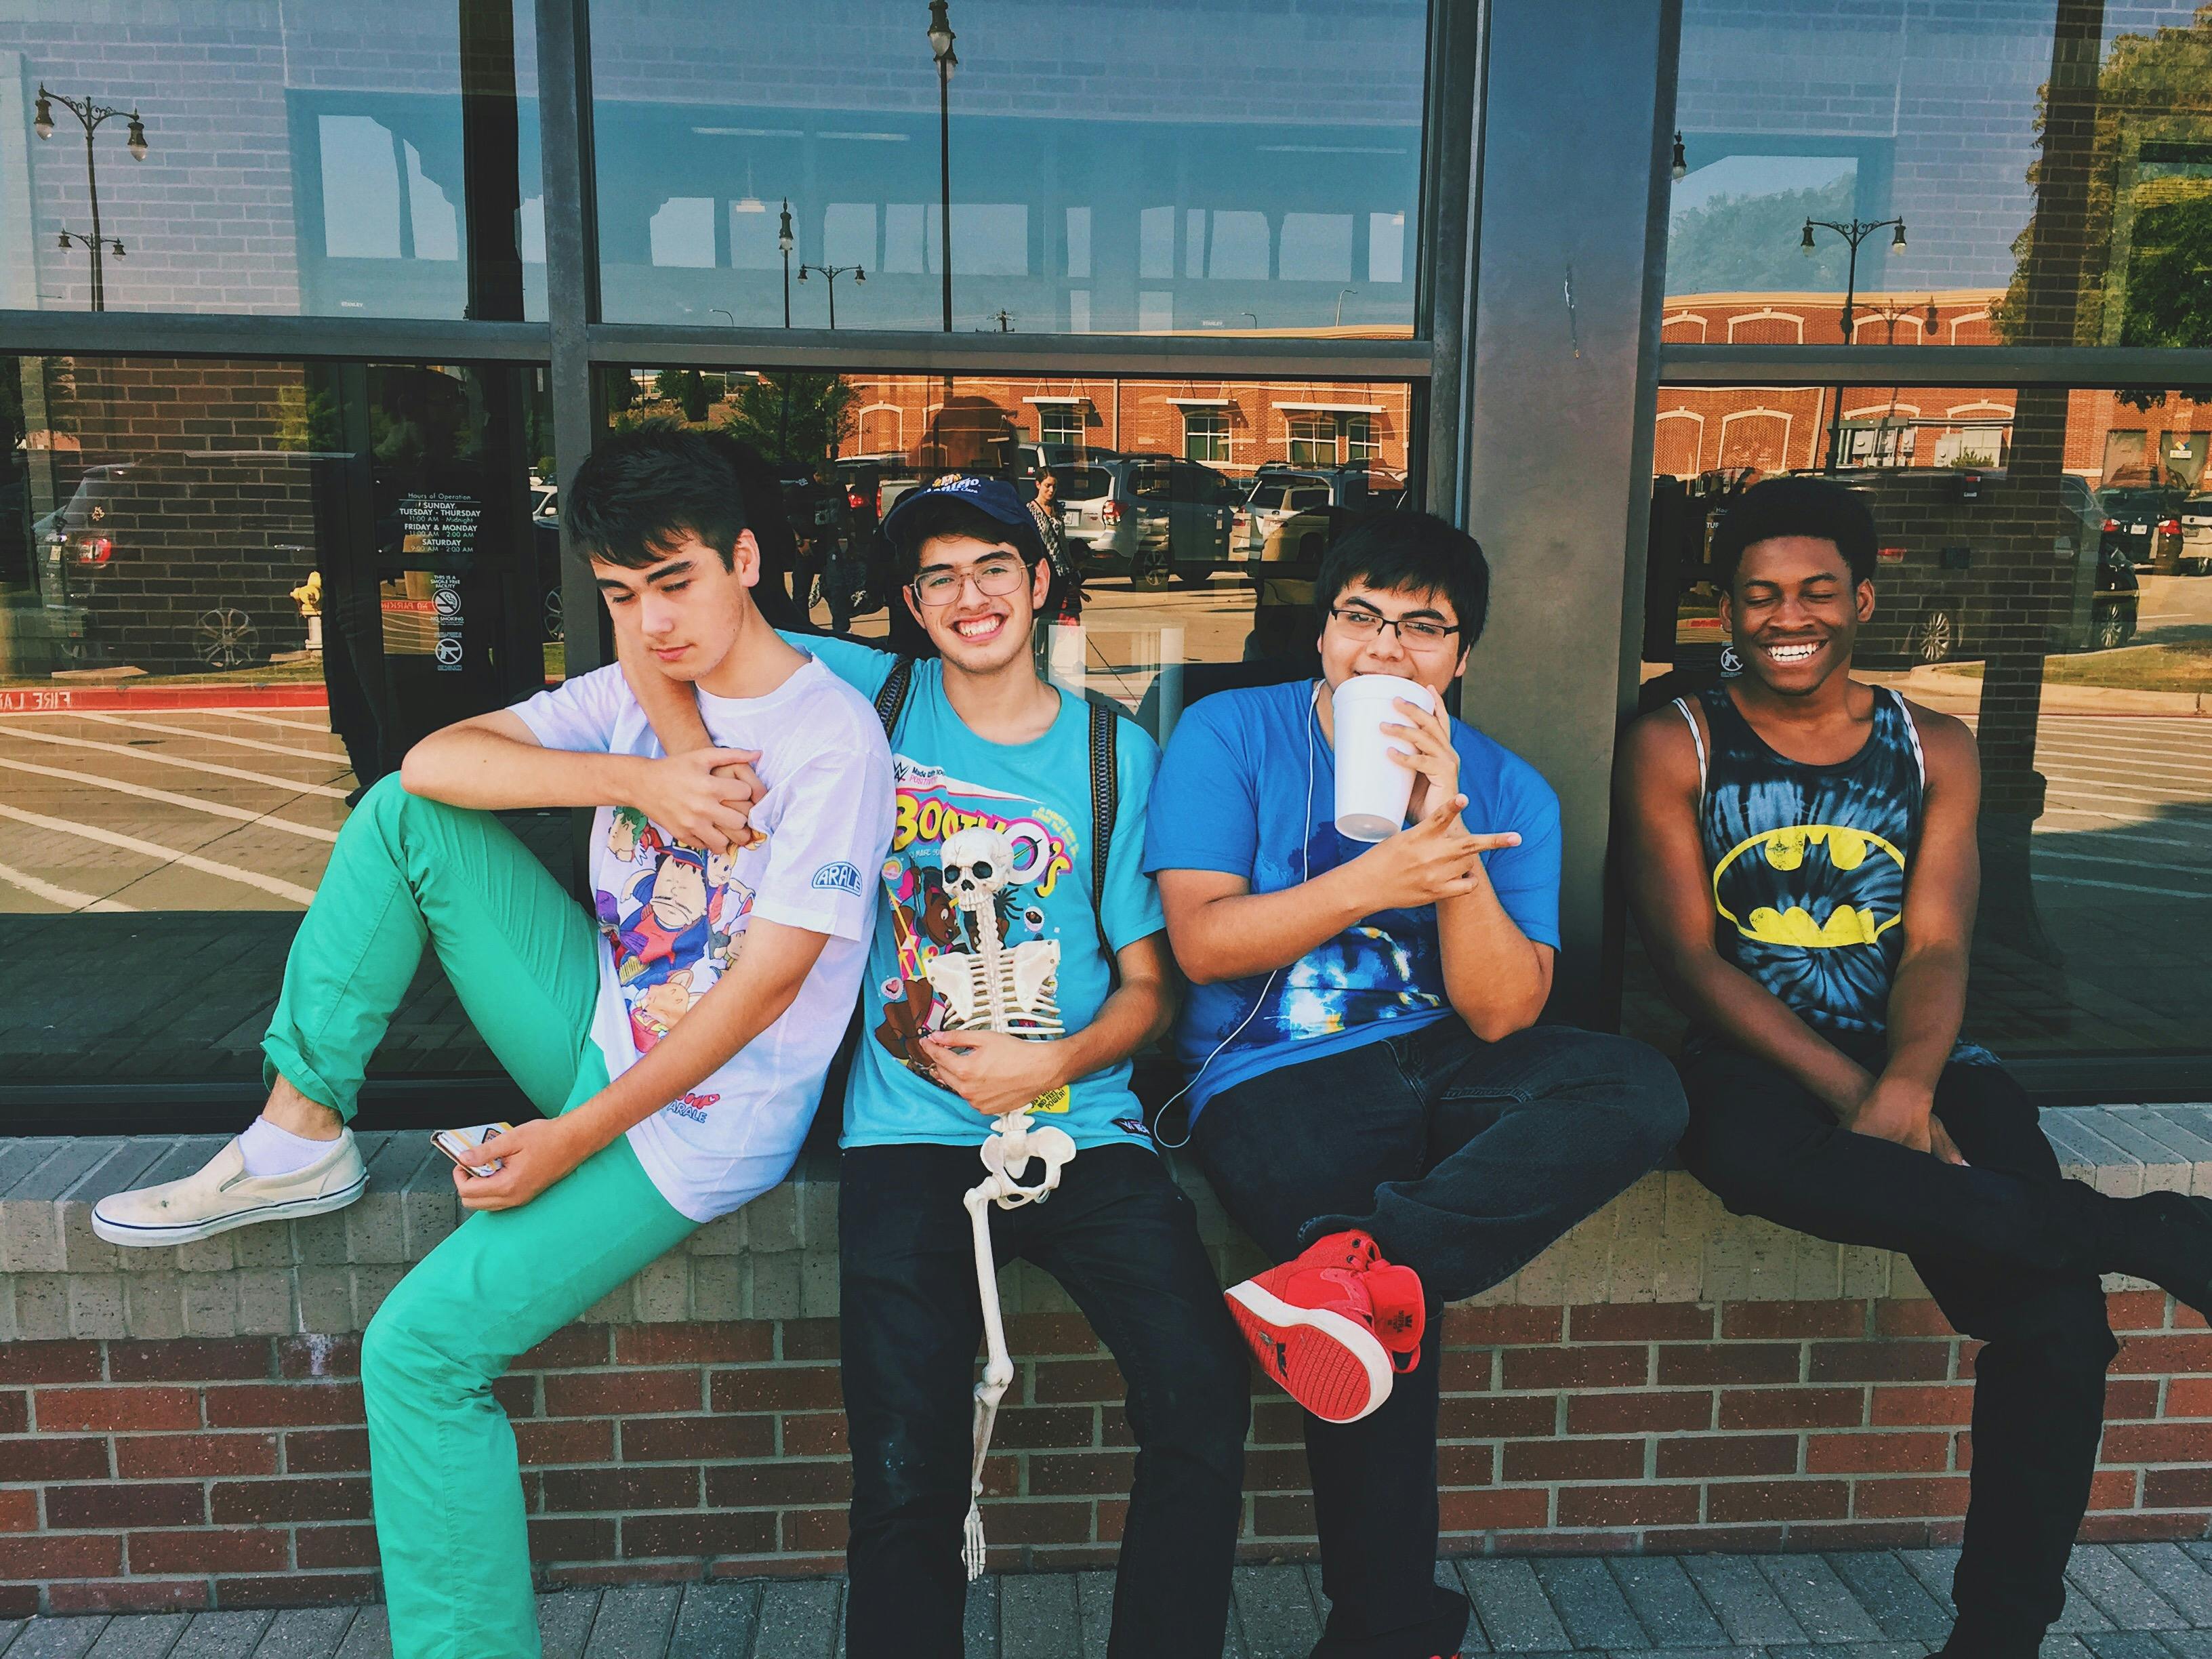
(1781,429)
(1233,426)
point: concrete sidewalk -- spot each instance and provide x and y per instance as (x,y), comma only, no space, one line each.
(2124,1601)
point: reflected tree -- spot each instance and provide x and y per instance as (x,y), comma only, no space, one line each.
(1748,244)
(794,416)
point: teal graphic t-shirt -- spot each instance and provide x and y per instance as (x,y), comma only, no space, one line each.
(984,917)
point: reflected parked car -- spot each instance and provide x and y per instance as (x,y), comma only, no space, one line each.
(1937,599)
(1154,518)
(2197,534)
(1279,492)
(2142,521)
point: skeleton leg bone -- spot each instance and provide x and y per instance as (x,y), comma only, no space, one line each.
(1013,1145)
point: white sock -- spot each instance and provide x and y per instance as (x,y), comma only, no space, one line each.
(270,1151)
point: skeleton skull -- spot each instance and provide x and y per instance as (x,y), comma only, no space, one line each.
(977,863)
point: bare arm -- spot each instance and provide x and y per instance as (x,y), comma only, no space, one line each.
(998,1074)
(1655,807)
(1928,1000)
(494,760)
(762,983)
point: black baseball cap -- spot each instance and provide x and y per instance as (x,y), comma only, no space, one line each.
(992,497)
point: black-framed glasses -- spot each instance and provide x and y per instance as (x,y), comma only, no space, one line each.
(1416,632)
(993,578)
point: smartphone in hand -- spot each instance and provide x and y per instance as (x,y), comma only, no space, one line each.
(464,1146)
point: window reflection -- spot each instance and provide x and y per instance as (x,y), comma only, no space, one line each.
(1197,521)
(1190,167)
(232,593)
(293,163)
(2045,574)
(1956,121)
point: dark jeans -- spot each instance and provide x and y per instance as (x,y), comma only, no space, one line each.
(2007,1247)
(1122,1240)
(1464,1159)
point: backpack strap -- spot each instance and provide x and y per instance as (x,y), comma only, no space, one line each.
(890,700)
(1105,807)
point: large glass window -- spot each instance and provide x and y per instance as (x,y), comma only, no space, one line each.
(2046,575)
(1197,574)
(1183,169)
(1808,131)
(232,593)
(286,158)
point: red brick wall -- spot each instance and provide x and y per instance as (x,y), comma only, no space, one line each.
(232,1471)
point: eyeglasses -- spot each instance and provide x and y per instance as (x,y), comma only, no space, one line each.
(993,578)
(1416,632)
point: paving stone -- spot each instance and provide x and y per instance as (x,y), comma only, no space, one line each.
(1511,1607)
(1740,1597)
(716,1618)
(2056,1646)
(979,1624)
(57,1638)
(9,1628)
(564,1622)
(1276,1610)
(1853,1650)
(139,1636)
(304,1633)
(1471,1641)
(1665,1603)
(1895,1599)
(1094,1612)
(370,1637)
(2169,1570)
(2188,1643)
(1682,1653)
(798,1619)
(1818,1599)
(1934,1568)
(231,1634)
(1588,1602)
(1038,1617)
(2125,1645)
(634,1622)
(2125,1600)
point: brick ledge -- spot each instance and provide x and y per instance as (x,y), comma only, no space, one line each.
(1666,1240)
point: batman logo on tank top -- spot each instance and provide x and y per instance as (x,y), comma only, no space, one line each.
(1807,864)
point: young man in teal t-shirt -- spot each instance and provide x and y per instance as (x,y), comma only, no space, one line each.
(990,988)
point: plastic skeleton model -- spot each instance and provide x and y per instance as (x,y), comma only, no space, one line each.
(1013,1146)
(1000,987)
(1006,988)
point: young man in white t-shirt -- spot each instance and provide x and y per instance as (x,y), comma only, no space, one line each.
(677,1047)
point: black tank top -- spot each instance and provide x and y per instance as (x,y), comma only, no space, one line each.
(1807,864)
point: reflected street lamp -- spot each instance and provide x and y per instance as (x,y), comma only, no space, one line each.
(940,47)
(1853,232)
(89,115)
(1340,292)
(783,244)
(1681,167)
(832,272)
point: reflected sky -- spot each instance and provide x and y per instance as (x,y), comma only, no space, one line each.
(1183,168)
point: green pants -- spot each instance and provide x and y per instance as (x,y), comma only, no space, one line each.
(523,958)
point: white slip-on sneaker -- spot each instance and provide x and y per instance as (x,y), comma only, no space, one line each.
(221,1195)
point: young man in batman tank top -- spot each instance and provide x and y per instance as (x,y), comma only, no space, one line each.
(1801,858)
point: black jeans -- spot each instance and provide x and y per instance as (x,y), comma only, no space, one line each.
(2007,1247)
(1464,1159)
(1122,1240)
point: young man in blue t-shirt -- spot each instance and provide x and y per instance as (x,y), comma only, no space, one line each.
(1371,1096)
(990,988)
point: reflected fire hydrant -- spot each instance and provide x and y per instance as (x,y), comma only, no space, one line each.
(308,596)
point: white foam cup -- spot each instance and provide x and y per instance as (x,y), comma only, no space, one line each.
(1371,788)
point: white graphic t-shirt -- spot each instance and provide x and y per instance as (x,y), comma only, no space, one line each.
(672,918)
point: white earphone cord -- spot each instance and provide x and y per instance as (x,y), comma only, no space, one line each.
(1305,874)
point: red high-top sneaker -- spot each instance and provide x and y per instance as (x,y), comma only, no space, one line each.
(1313,1324)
